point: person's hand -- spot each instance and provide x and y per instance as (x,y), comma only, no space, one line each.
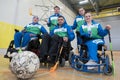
(65,39)
(90,33)
(31,35)
(108,27)
(46,21)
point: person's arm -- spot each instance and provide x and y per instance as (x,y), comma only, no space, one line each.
(71,34)
(83,34)
(49,22)
(74,24)
(103,32)
(52,32)
(43,30)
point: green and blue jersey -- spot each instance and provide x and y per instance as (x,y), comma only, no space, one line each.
(35,28)
(94,31)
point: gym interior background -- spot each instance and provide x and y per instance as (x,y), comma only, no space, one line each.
(15,14)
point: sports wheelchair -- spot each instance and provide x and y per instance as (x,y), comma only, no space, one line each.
(34,46)
(78,61)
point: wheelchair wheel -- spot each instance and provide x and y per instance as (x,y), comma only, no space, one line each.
(62,62)
(9,50)
(78,64)
(108,71)
(70,56)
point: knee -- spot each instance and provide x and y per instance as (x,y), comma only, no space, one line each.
(18,34)
(57,38)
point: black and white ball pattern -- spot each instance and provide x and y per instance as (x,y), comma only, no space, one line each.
(25,64)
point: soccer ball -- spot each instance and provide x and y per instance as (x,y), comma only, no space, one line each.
(25,64)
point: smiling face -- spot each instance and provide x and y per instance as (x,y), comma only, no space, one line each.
(88,17)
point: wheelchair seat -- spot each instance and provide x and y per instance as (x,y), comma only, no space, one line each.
(78,62)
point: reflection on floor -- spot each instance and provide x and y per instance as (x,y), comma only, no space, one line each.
(65,73)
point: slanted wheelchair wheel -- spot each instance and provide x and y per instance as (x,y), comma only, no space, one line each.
(62,62)
(108,71)
(70,57)
(78,64)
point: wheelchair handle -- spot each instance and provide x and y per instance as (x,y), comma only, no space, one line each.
(16,30)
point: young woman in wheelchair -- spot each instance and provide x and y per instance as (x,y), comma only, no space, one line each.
(93,35)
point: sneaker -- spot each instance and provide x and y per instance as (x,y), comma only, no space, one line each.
(23,48)
(17,48)
(91,62)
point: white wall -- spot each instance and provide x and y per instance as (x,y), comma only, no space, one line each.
(115,30)
(17,11)
(7,10)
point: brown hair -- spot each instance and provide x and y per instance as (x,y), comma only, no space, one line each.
(57,7)
(87,12)
(80,8)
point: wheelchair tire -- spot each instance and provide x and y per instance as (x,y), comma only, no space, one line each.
(108,72)
(62,62)
(78,64)
(70,56)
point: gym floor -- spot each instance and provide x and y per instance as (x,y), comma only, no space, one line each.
(62,73)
